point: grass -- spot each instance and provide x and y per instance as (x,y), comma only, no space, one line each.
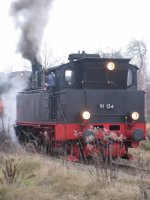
(46,179)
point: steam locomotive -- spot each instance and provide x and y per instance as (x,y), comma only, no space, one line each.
(90,107)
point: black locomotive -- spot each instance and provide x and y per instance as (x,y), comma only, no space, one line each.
(84,107)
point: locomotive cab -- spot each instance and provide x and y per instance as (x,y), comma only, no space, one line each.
(92,100)
(91,74)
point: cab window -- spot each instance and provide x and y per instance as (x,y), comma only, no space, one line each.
(129,77)
(69,77)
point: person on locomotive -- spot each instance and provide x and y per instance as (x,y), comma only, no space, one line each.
(50,80)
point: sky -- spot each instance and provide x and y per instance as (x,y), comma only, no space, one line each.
(74,25)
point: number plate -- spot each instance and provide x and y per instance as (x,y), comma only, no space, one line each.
(107,106)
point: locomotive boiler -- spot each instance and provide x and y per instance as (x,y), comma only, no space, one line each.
(87,107)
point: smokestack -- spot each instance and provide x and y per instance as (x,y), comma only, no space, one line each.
(31,17)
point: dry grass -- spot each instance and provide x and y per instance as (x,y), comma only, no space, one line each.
(34,177)
(46,179)
(41,178)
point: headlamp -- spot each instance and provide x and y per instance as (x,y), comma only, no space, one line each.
(135,115)
(86,115)
(111,66)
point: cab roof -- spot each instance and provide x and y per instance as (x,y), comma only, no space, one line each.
(81,58)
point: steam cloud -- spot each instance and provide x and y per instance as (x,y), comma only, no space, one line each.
(9,87)
(31,16)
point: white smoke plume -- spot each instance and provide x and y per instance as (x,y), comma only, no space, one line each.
(31,17)
(10,85)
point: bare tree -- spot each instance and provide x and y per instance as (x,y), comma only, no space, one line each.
(47,57)
(137,50)
(112,53)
